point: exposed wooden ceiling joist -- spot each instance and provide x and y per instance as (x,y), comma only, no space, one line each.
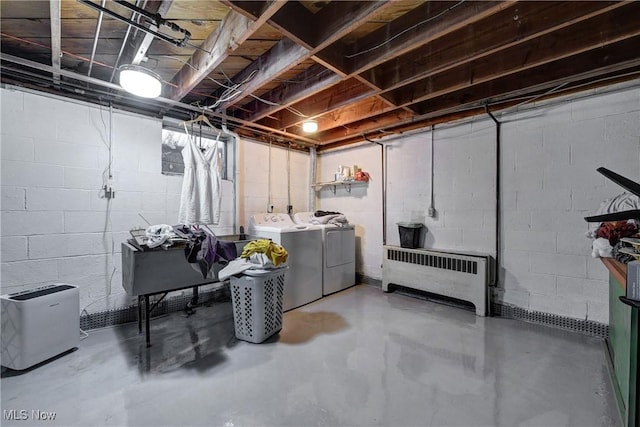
(357,67)
(457,17)
(233,32)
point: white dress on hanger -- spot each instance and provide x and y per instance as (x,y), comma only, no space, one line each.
(201,184)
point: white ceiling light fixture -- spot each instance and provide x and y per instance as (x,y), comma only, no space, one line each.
(140,81)
(309,126)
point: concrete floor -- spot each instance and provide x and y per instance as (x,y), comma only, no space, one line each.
(358,358)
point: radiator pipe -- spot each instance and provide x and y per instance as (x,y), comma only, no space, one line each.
(496,273)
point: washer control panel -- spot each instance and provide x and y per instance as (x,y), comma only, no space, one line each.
(272,219)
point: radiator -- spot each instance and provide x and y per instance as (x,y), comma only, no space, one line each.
(455,275)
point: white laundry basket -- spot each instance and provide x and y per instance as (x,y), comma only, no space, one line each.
(257,296)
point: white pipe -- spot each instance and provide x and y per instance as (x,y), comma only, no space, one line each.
(269,209)
(313,160)
(432,204)
(236,175)
(289,206)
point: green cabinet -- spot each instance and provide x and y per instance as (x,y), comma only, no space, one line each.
(623,352)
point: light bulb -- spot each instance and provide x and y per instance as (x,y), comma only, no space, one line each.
(140,81)
(310,126)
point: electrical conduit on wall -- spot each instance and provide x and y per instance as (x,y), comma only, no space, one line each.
(236,175)
(496,272)
(313,160)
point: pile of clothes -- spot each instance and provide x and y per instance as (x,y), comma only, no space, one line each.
(261,254)
(608,236)
(329,217)
(201,246)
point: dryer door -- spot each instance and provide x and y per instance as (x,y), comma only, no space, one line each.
(340,247)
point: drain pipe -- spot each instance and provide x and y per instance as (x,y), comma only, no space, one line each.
(383,164)
(496,272)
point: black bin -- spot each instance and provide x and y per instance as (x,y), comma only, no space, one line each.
(410,234)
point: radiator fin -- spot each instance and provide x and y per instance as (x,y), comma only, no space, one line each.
(436,261)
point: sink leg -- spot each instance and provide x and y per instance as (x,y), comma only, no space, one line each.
(139,314)
(146,308)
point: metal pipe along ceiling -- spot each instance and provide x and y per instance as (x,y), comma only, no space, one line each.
(95,40)
(124,43)
(156,34)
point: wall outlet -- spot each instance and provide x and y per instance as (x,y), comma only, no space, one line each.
(109,192)
(431,212)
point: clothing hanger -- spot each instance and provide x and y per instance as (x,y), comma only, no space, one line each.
(200,119)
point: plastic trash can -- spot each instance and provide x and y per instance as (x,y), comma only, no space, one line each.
(410,234)
(256,296)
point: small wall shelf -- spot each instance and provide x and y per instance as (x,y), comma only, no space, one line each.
(335,184)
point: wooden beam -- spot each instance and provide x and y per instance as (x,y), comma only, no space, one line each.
(333,56)
(393,40)
(484,38)
(406,126)
(305,84)
(294,22)
(372,124)
(359,111)
(287,54)
(614,27)
(56,53)
(337,96)
(540,81)
(446,54)
(135,52)
(234,30)
(584,66)
(329,24)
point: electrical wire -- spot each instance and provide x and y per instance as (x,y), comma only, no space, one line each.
(353,55)
(106,186)
(84,309)
(49,47)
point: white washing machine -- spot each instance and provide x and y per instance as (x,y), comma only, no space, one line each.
(303,280)
(338,253)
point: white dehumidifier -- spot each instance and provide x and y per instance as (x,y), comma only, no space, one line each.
(38,324)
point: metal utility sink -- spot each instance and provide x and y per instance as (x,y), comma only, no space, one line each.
(155,271)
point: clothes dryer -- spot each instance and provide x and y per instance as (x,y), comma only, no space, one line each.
(303,280)
(338,253)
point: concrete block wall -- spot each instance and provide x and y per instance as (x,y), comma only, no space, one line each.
(56,225)
(257,193)
(550,153)
(362,206)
